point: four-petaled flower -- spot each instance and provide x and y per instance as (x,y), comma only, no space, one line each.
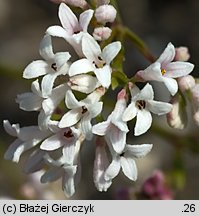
(164,70)
(141,105)
(96,60)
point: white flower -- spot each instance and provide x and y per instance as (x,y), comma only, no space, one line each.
(141,105)
(67,138)
(100,165)
(70,173)
(36,101)
(114,128)
(72,30)
(83,83)
(105,13)
(126,161)
(53,66)
(96,60)
(27,138)
(164,70)
(83,111)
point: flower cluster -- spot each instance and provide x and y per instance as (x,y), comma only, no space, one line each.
(68,95)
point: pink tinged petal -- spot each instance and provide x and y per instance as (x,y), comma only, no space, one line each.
(159,108)
(80,67)
(71,102)
(90,48)
(47,84)
(117,139)
(104,75)
(70,118)
(52,143)
(129,168)
(58,31)
(153,72)
(29,101)
(146,93)
(52,174)
(61,58)
(130,112)
(101,128)
(46,50)
(178,69)
(143,122)
(113,169)
(137,151)
(85,19)
(68,183)
(171,85)
(167,56)
(12,130)
(86,127)
(68,19)
(35,69)
(111,51)
(69,152)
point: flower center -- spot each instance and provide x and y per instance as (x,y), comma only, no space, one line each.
(68,134)
(100,63)
(84,109)
(163,71)
(141,104)
(54,66)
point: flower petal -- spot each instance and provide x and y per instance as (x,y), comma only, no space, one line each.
(71,102)
(70,118)
(178,69)
(101,128)
(117,139)
(112,170)
(146,93)
(110,51)
(143,122)
(61,58)
(104,75)
(52,143)
(129,168)
(94,109)
(13,129)
(86,127)
(159,108)
(137,151)
(46,50)
(51,175)
(130,112)
(35,69)
(69,152)
(85,19)
(35,88)
(68,19)
(171,84)
(47,84)
(80,67)
(57,31)
(90,48)
(43,120)
(167,56)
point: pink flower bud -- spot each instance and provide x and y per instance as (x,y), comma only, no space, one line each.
(177,118)
(186,82)
(182,54)
(102,33)
(105,13)
(76,3)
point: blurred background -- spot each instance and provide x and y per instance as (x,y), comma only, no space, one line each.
(23,24)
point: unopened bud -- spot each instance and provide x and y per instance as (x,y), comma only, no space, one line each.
(105,13)
(76,3)
(186,82)
(177,118)
(102,33)
(182,54)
